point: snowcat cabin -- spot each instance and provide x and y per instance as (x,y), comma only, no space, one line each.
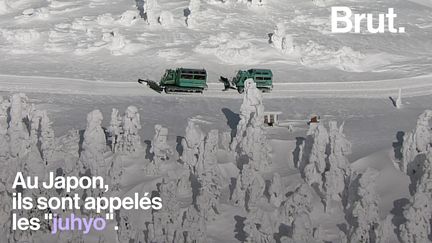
(191,78)
(262,77)
(168,78)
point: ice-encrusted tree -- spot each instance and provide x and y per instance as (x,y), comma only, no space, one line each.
(47,138)
(159,146)
(313,163)
(249,190)
(194,8)
(385,230)
(115,129)
(415,150)
(416,143)
(260,226)
(94,145)
(338,170)
(424,182)
(323,163)
(4,106)
(280,40)
(193,146)
(131,124)
(209,156)
(362,209)
(116,171)
(166,18)
(250,142)
(276,190)
(160,150)
(167,220)
(398,102)
(418,214)
(17,133)
(193,226)
(150,8)
(297,203)
(209,194)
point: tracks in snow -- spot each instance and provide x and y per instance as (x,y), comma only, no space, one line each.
(415,86)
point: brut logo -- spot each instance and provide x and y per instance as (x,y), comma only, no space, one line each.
(341,21)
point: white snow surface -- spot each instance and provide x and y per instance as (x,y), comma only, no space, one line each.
(64,39)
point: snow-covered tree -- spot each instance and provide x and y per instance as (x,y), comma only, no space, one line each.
(362,210)
(116,172)
(47,138)
(338,171)
(276,190)
(323,163)
(314,156)
(250,142)
(4,106)
(94,145)
(424,182)
(193,226)
(131,124)
(303,230)
(416,143)
(194,7)
(18,135)
(209,159)
(167,220)
(249,190)
(297,203)
(385,230)
(159,145)
(280,40)
(260,226)
(398,102)
(209,194)
(415,147)
(193,146)
(417,227)
(150,8)
(166,18)
(115,130)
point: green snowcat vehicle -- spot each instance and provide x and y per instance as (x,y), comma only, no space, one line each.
(180,80)
(262,77)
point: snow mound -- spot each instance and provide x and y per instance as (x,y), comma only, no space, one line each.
(21,36)
(129,18)
(35,13)
(227,48)
(105,19)
(166,18)
(319,56)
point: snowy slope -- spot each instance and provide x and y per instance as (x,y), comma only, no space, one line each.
(106,40)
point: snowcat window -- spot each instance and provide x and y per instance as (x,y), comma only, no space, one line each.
(187,76)
(199,77)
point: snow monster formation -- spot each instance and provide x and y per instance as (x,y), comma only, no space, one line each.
(94,145)
(250,142)
(280,40)
(361,211)
(323,162)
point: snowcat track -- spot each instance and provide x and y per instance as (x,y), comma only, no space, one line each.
(182,90)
